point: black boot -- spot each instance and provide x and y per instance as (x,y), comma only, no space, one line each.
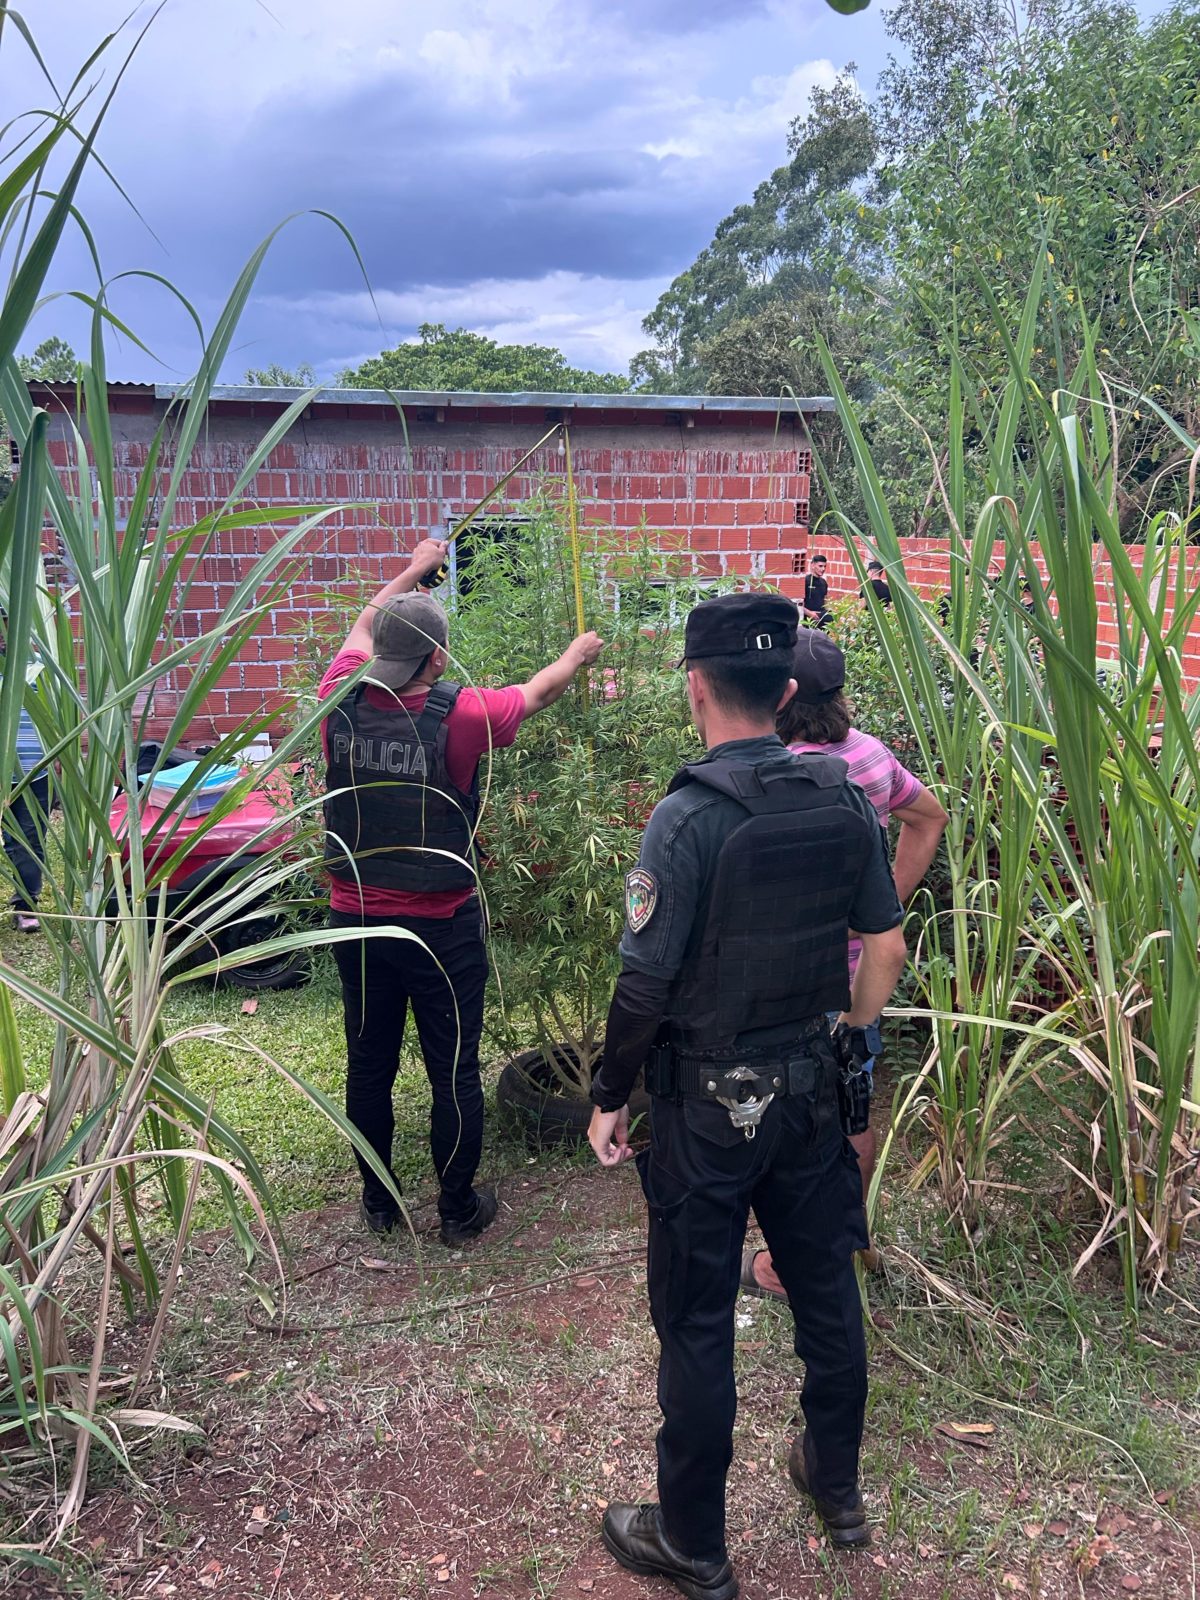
(846,1525)
(458,1233)
(379,1220)
(634,1536)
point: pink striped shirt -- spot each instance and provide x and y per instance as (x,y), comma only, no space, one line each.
(889,786)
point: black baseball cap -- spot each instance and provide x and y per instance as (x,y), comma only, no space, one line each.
(818,667)
(733,623)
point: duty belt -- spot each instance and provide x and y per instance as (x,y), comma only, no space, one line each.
(745,1085)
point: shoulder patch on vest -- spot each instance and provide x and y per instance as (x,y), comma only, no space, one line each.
(641,897)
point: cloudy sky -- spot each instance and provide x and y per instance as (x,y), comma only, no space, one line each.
(530,169)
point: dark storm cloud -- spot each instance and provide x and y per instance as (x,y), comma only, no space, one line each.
(435,192)
(459,154)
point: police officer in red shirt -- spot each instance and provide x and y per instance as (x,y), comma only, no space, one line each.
(403,749)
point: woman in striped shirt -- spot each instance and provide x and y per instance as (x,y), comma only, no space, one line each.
(818,720)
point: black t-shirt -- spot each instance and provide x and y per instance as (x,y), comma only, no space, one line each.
(881,589)
(815,590)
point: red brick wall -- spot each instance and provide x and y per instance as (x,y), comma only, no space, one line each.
(736,496)
(927,566)
(732,490)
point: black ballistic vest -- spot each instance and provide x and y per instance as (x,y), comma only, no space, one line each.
(393,818)
(773,949)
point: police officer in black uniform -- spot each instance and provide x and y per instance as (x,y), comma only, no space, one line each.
(753,869)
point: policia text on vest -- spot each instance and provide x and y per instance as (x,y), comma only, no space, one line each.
(753,869)
(401,758)
(394,814)
(403,748)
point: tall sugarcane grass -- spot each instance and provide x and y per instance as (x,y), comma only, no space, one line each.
(108,1129)
(1070,773)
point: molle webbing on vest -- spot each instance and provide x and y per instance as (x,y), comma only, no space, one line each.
(774,944)
(398,821)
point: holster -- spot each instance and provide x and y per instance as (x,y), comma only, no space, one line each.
(854,1091)
(854,1084)
(660,1078)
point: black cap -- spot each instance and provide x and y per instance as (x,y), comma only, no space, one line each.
(733,623)
(818,667)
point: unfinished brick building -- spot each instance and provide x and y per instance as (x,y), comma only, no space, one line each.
(728,478)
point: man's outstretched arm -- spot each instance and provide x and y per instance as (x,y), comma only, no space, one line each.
(552,682)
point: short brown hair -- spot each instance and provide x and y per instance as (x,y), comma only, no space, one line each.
(827,723)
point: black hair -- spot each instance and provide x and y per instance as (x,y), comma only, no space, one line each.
(827,723)
(417,671)
(749,683)
(820,557)
(874,566)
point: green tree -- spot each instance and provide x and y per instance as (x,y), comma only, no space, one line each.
(52,362)
(462,361)
(957,53)
(1008,130)
(771,352)
(775,251)
(1084,146)
(277,377)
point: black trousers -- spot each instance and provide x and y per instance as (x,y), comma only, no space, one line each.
(444,984)
(24,835)
(701,1177)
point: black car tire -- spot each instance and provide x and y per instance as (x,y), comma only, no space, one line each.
(288,970)
(542,1110)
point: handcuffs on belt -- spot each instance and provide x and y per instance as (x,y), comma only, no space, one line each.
(851,1050)
(745,1111)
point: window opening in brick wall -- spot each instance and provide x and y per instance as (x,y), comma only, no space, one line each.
(472,544)
(14,455)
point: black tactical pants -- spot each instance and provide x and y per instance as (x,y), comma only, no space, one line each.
(24,842)
(380,979)
(701,1177)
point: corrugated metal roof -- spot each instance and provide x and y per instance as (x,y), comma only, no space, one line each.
(114,387)
(470,400)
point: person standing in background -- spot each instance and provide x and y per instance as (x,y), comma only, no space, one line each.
(876,581)
(816,592)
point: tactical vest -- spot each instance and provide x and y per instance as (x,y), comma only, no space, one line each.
(393,818)
(773,949)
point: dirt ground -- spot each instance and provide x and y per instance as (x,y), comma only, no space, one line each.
(456,1429)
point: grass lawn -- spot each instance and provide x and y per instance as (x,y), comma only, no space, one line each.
(414,1422)
(305,1159)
